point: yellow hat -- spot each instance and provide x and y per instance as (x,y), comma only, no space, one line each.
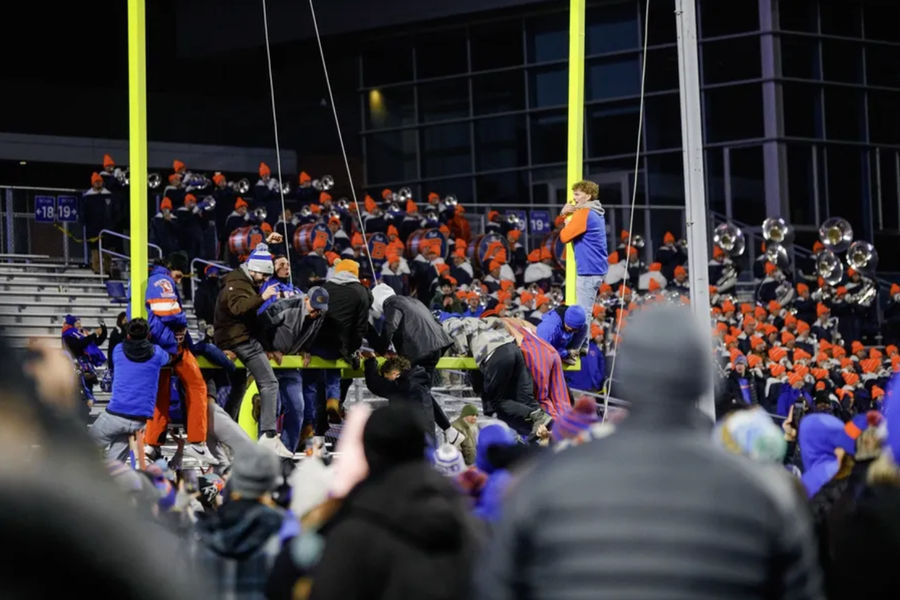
(347,265)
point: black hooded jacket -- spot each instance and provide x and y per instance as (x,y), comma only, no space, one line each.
(403,533)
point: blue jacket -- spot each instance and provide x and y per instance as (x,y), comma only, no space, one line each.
(135,384)
(285,290)
(551,330)
(787,397)
(587,232)
(593,367)
(164,312)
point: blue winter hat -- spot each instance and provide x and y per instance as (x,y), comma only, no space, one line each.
(260,260)
(740,359)
(492,435)
(71,319)
(575,317)
(318,298)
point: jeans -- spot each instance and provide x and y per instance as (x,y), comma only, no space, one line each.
(586,287)
(292,384)
(255,360)
(111,432)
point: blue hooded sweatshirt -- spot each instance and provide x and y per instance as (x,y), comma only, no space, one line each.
(490,502)
(819,435)
(551,330)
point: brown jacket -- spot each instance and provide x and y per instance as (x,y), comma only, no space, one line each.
(236,309)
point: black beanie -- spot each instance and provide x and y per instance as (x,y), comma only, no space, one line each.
(393,435)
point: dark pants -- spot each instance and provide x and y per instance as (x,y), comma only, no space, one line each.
(429,363)
(508,388)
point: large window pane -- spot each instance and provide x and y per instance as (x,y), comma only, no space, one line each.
(802,110)
(882,21)
(883,65)
(747,187)
(441,53)
(665,173)
(844,116)
(461,187)
(839,17)
(500,143)
(737,17)
(441,100)
(496,45)
(847,188)
(498,92)
(611,27)
(612,129)
(548,37)
(389,107)
(613,77)
(661,29)
(446,150)
(842,61)
(799,57)
(503,188)
(890,217)
(731,60)
(387,62)
(662,70)
(391,156)
(714,164)
(801,184)
(662,122)
(548,137)
(723,105)
(548,86)
(884,118)
(798,15)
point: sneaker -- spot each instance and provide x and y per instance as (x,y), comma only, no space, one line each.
(454,436)
(201,453)
(333,410)
(275,444)
(152,453)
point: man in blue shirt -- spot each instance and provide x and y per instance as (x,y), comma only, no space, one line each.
(587,232)
(138,363)
(565,328)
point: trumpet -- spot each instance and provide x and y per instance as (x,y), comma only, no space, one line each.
(637,241)
(260,214)
(324,184)
(403,195)
(862,256)
(450,201)
(241,186)
(154,180)
(729,238)
(777,255)
(836,234)
(196,180)
(776,231)
(514,220)
(279,187)
(122,177)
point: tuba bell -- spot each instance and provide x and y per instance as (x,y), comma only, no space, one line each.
(775,230)
(729,238)
(836,234)
(829,267)
(862,256)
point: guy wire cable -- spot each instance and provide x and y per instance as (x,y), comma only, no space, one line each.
(337,125)
(287,242)
(637,162)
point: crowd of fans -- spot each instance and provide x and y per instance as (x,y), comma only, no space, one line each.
(534,493)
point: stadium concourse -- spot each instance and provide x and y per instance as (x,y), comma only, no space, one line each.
(271,472)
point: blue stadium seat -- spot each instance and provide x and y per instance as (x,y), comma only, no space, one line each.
(116,291)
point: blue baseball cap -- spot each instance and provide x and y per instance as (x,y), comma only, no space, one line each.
(318,298)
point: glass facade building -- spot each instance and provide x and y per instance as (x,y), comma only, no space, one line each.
(799,97)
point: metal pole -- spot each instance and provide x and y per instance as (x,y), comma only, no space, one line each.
(10,223)
(575,152)
(694,186)
(137,152)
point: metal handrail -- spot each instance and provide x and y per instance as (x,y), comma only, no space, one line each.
(116,254)
(205,262)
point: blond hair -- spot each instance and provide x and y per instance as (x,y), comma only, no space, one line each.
(588,187)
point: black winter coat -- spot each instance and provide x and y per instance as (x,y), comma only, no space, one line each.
(412,328)
(401,534)
(347,319)
(412,388)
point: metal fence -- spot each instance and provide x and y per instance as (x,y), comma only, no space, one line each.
(29,227)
